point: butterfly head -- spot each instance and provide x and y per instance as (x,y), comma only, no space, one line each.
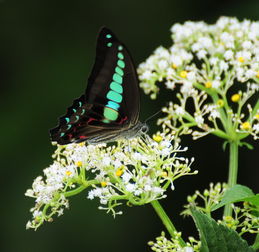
(144,128)
(137,130)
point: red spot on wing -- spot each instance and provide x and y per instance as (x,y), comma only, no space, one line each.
(123,120)
(82,137)
(90,120)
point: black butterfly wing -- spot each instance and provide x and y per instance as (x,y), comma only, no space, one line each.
(82,122)
(112,56)
(111,101)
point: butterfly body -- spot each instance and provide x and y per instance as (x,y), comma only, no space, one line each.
(109,109)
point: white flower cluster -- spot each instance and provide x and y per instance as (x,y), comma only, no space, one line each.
(162,244)
(137,171)
(203,67)
(50,192)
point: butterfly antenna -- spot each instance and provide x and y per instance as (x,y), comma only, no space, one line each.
(159,111)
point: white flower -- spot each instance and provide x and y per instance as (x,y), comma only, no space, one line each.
(247,44)
(162,52)
(176,59)
(158,190)
(222,22)
(146,75)
(201,54)
(162,64)
(187,88)
(253,32)
(196,47)
(181,32)
(223,65)
(214,114)
(191,76)
(205,42)
(188,249)
(215,84)
(37,213)
(254,87)
(166,143)
(199,119)
(106,161)
(137,156)
(179,110)
(228,54)
(130,187)
(117,163)
(147,188)
(170,84)
(250,73)
(138,191)
(126,177)
(256,128)
(227,39)
(170,73)
(246,55)
(91,195)
(213,61)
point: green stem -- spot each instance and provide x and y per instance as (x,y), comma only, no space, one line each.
(233,169)
(166,221)
(75,191)
(220,133)
(82,187)
(255,109)
(256,243)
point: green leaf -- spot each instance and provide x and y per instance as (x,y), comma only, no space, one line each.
(217,237)
(235,194)
(256,243)
(224,146)
(253,200)
(249,146)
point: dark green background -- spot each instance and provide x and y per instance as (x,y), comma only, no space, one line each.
(46,53)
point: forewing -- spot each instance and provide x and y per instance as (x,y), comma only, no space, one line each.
(111,100)
(113,63)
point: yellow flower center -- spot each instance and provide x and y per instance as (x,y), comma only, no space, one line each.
(208,84)
(68,173)
(79,164)
(220,103)
(228,218)
(157,138)
(257,75)
(257,116)
(38,218)
(119,172)
(103,183)
(174,66)
(241,59)
(246,126)
(82,144)
(183,74)
(235,97)
(164,174)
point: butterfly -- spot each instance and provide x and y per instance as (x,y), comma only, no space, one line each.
(109,109)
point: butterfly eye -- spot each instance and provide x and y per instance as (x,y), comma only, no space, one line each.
(144,129)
